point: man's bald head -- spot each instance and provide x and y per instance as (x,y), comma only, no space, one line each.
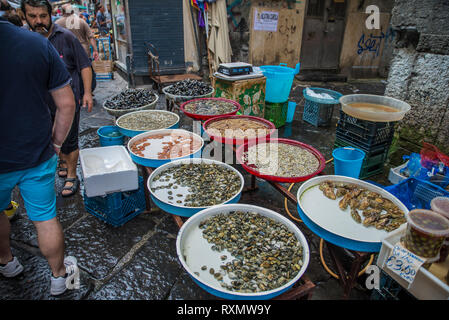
(67,9)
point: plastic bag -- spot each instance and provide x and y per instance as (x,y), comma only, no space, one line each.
(413,168)
(437,164)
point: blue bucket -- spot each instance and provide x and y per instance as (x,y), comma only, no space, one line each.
(110,136)
(279,81)
(291,111)
(348,161)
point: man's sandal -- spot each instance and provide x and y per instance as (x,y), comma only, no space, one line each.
(73,188)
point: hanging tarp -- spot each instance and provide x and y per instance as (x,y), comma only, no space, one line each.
(219,45)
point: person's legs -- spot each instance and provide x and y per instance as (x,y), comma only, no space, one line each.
(5,249)
(7,184)
(72,162)
(51,243)
(37,187)
(70,154)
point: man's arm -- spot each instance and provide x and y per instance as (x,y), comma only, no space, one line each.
(94,46)
(65,110)
(86,75)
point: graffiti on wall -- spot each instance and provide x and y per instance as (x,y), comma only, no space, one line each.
(373,43)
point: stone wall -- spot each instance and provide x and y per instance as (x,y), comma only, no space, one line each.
(419,74)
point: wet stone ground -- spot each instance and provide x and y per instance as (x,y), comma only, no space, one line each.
(138,260)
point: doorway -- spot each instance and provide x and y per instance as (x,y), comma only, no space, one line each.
(324,26)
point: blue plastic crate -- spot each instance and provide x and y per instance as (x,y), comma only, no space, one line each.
(318,112)
(416,193)
(119,207)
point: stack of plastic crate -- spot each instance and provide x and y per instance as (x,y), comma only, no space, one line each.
(119,207)
(374,138)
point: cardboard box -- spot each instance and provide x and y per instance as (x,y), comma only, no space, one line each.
(103,66)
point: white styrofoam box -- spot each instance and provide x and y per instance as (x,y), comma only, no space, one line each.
(107,170)
(395,176)
(426,286)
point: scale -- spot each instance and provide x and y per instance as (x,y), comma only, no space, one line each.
(235,68)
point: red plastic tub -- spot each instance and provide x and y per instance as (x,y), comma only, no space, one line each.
(238,141)
(204,117)
(251,168)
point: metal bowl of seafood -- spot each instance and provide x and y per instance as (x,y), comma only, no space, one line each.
(238,129)
(182,97)
(158,147)
(352,213)
(137,122)
(185,187)
(214,247)
(281,160)
(125,107)
(207,108)
(374,107)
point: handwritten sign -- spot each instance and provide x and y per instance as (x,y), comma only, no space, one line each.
(266,20)
(404,263)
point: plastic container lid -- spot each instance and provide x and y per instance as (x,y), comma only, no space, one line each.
(439,227)
(440,205)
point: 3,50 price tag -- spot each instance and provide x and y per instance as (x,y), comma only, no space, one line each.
(404,263)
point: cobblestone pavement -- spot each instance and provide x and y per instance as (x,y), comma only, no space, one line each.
(138,261)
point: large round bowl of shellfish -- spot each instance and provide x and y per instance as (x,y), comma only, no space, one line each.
(188,89)
(349,212)
(206,108)
(130,100)
(158,147)
(281,160)
(137,122)
(238,129)
(242,251)
(185,187)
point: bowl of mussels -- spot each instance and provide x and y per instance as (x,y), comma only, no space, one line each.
(242,251)
(188,89)
(186,186)
(130,100)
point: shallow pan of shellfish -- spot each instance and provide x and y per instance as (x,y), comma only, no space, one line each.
(180,98)
(121,112)
(252,168)
(202,116)
(325,218)
(132,133)
(194,251)
(151,160)
(161,198)
(214,135)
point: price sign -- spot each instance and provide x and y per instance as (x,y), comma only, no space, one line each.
(404,263)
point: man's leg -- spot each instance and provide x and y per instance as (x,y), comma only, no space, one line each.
(71,162)
(70,153)
(7,183)
(5,248)
(51,243)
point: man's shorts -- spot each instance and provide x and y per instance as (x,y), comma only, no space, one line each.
(37,187)
(71,142)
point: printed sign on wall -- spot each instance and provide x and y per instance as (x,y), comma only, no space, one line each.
(266,20)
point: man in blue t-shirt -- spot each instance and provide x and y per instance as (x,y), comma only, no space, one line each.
(102,22)
(31,69)
(37,14)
